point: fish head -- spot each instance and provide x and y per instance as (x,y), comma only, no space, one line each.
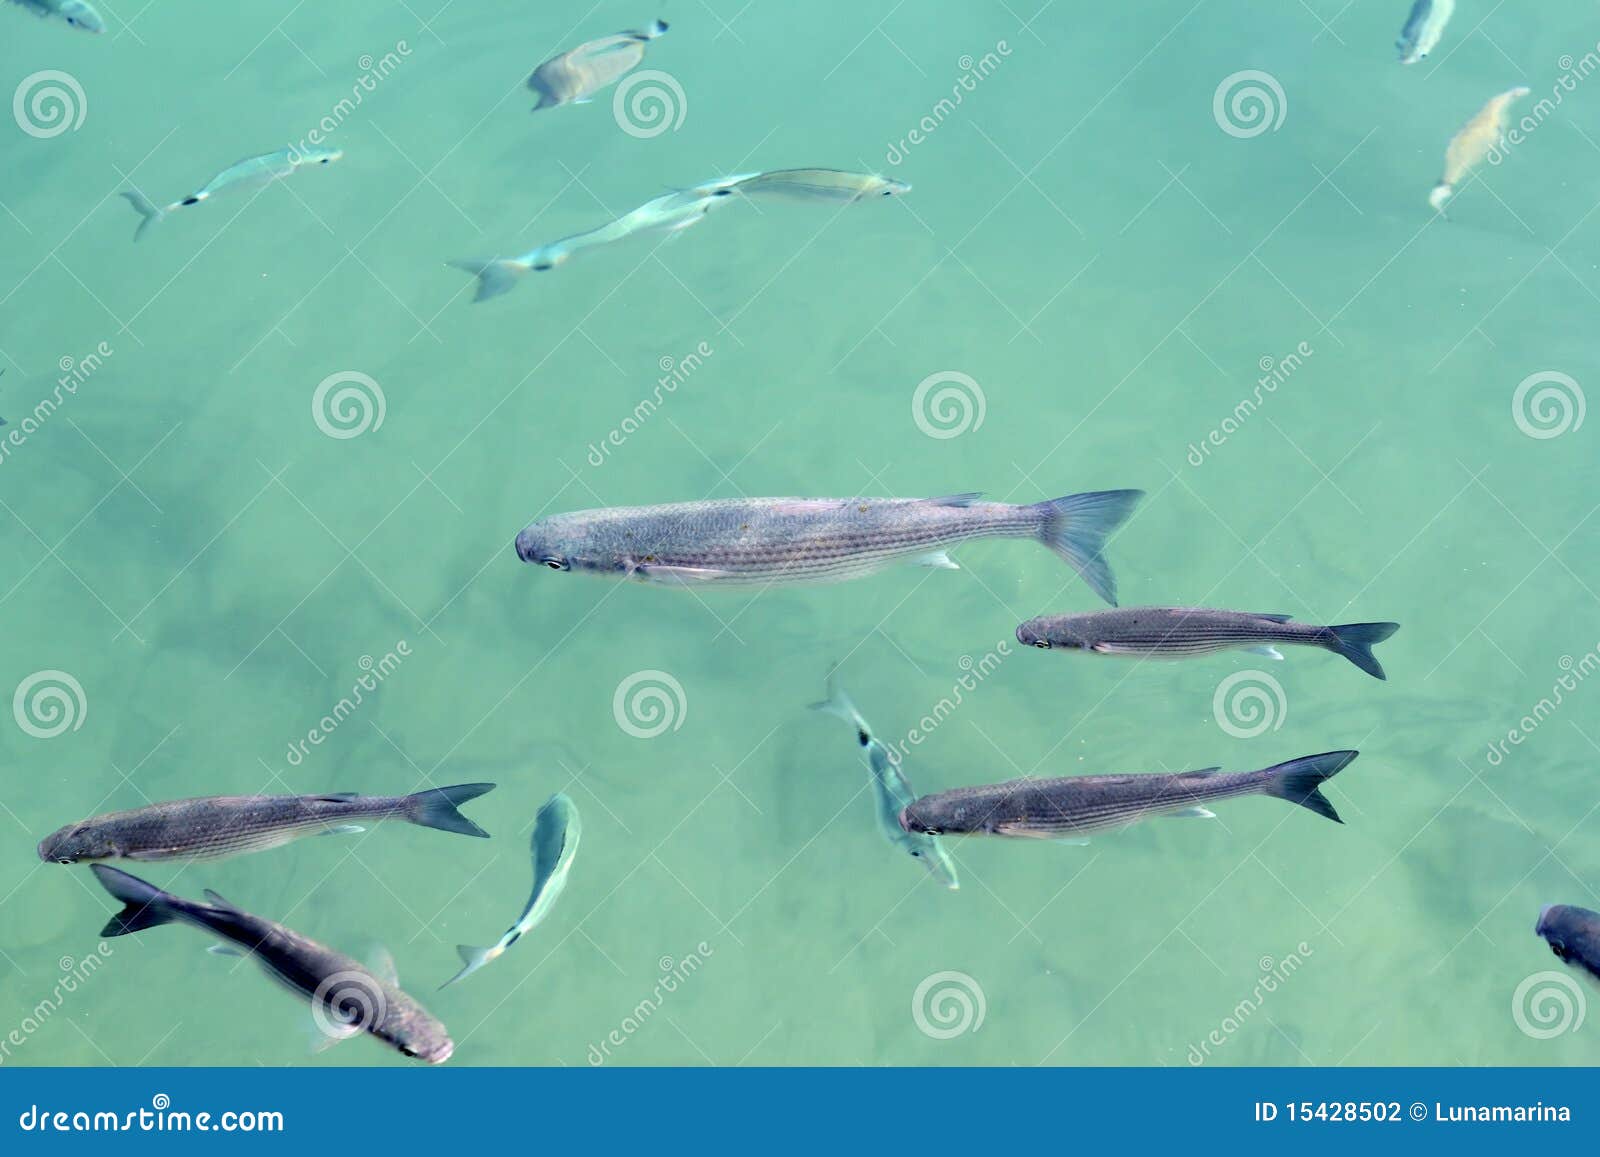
(569,542)
(81,14)
(75,843)
(1045,634)
(889,187)
(544,543)
(315,156)
(933,857)
(416,1034)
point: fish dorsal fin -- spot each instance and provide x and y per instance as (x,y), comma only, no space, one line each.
(381,961)
(1275,618)
(956,499)
(217,901)
(337,797)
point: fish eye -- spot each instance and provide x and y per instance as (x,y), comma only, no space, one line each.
(1042,644)
(65,860)
(543,265)
(555,563)
(407,1051)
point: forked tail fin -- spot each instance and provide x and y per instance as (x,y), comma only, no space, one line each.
(149,213)
(1076,527)
(1300,780)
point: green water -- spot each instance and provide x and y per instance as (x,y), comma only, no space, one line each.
(1086,243)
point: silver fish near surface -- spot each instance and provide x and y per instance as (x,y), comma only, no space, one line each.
(250,173)
(891,790)
(784,541)
(1423,28)
(346,998)
(1180,632)
(1077,806)
(573,77)
(1573,934)
(819,185)
(212,827)
(79,14)
(554,844)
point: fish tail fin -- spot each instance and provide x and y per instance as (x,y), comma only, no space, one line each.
(1076,528)
(144,904)
(838,703)
(148,211)
(1300,780)
(472,959)
(496,276)
(1355,642)
(436,808)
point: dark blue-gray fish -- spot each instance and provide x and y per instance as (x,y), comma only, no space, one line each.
(77,14)
(250,173)
(783,541)
(1574,935)
(1077,806)
(574,76)
(1181,632)
(1423,28)
(346,997)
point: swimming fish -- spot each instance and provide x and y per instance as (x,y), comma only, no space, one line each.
(891,789)
(1074,807)
(250,173)
(781,541)
(346,998)
(1178,632)
(819,185)
(1477,139)
(554,843)
(1423,28)
(1573,934)
(77,13)
(212,827)
(576,75)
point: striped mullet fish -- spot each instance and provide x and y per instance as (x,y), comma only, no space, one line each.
(212,827)
(785,541)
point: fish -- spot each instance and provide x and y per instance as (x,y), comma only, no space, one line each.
(819,185)
(891,789)
(1479,137)
(1423,28)
(78,14)
(250,173)
(1071,808)
(217,826)
(1179,632)
(554,845)
(1573,935)
(785,541)
(574,76)
(346,998)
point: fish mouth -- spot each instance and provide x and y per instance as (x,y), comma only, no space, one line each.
(1538,929)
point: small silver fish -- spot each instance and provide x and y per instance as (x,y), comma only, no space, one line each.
(1474,142)
(1179,632)
(891,789)
(250,173)
(1573,934)
(576,75)
(1423,28)
(212,827)
(819,185)
(1074,807)
(784,541)
(555,844)
(77,14)
(347,997)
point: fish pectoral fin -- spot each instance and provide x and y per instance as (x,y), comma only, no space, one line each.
(659,573)
(337,797)
(936,560)
(224,950)
(344,830)
(1193,813)
(1075,841)
(1275,618)
(1265,650)
(324,1033)
(1113,649)
(966,499)
(1023,831)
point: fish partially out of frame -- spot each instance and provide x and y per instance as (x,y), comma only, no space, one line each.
(250,173)
(77,14)
(1476,139)
(1180,632)
(346,998)
(1075,807)
(215,826)
(891,790)
(1573,935)
(573,77)
(554,844)
(1423,29)
(787,541)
